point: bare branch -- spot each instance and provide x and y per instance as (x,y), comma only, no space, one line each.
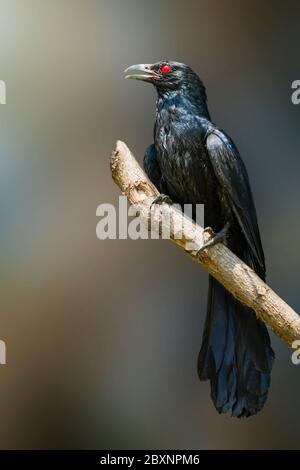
(218,260)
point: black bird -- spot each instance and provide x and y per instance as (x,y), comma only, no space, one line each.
(192,161)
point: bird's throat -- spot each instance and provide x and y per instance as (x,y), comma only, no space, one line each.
(177,104)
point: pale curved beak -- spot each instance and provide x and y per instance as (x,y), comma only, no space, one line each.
(145,73)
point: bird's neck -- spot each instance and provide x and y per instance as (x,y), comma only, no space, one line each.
(182,99)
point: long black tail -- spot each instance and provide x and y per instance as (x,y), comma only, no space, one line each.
(236,355)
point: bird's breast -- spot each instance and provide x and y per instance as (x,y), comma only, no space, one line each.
(183,159)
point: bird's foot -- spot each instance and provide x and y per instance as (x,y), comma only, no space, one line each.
(162,199)
(215,238)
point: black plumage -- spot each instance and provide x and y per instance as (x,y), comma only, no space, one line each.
(193,161)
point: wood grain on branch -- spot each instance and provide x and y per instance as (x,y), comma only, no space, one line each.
(218,260)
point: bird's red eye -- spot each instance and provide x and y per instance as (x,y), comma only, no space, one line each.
(165,69)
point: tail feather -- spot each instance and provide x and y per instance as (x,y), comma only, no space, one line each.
(236,355)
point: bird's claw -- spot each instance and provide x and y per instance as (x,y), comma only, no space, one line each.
(215,238)
(162,199)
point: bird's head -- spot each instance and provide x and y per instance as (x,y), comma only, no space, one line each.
(165,75)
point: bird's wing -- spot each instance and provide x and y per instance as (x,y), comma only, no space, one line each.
(151,166)
(232,176)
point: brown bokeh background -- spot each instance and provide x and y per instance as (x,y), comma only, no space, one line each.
(102,337)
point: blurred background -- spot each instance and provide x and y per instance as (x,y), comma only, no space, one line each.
(103,336)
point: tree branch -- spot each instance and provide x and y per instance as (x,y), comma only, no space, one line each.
(218,260)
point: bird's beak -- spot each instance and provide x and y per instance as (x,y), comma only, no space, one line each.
(145,73)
